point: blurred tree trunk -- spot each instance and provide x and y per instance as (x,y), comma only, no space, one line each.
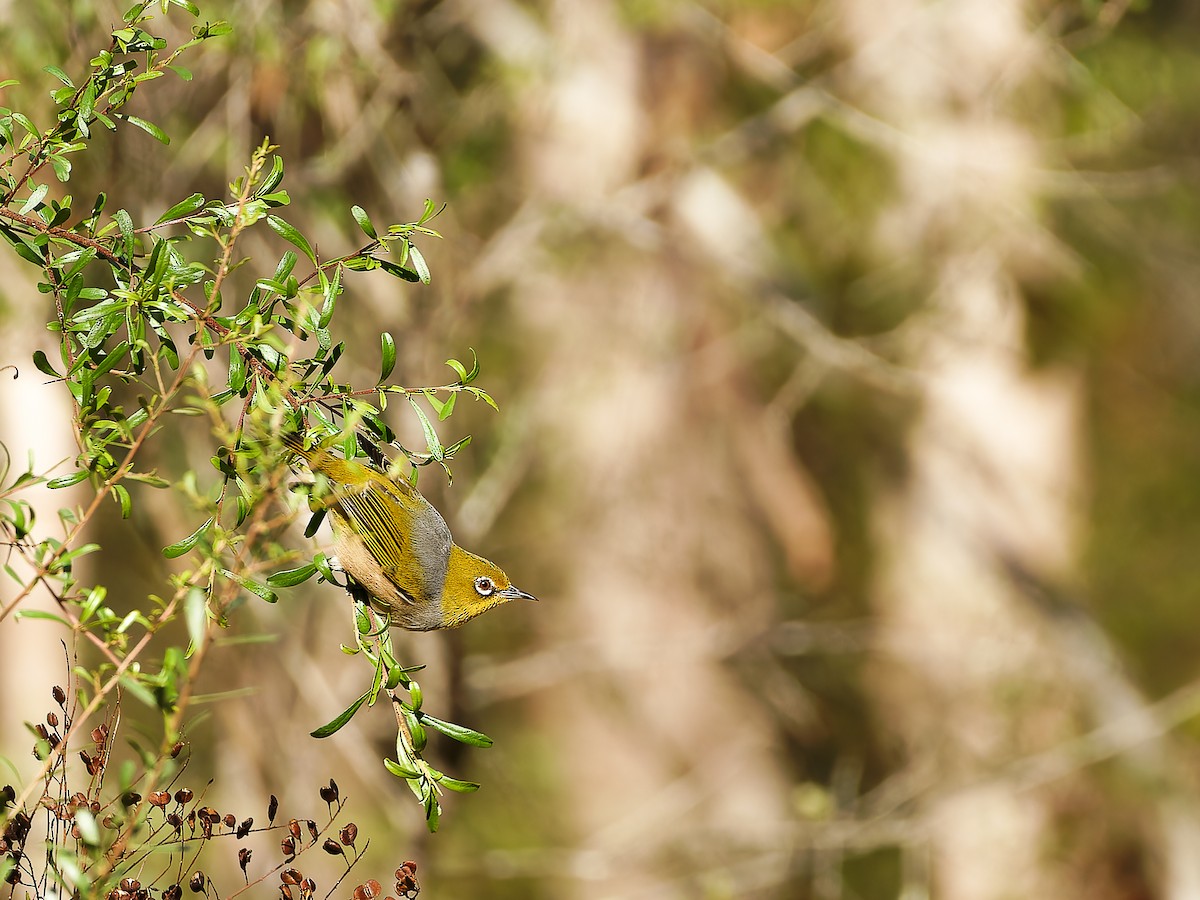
(975,676)
(674,780)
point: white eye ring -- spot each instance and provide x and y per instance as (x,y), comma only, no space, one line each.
(485,586)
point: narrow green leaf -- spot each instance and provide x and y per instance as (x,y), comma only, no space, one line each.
(121,495)
(25,123)
(389,356)
(195,611)
(252,586)
(292,235)
(40,614)
(183,208)
(237,370)
(125,223)
(431,438)
(419,264)
(181,547)
(293,577)
(314,524)
(34,199)
(67,480)
(59,74)
(364,222)
(459,732)
(274,177)
(454,784)
(400,771)
(149,127)
(345,716)
(399,271)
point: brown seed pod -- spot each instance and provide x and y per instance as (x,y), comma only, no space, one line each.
(330,794)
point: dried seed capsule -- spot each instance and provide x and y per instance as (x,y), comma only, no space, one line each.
(330,794)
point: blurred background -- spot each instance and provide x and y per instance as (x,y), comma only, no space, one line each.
(849,432)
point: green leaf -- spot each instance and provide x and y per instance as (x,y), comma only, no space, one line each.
(183,208)
(67,480)
(237,369)
(195,611)
(364,222)
(121,495)
(389,356)
(431,438)
(59,74)
(399,271)
(419,263)
(274,177)
(400,771)
(34,199)
(40,614)
(454,784)
(293,577)
(145,477)
(181,547)
(290,234)
(314,523)
(345,716)
(252,586)
(43,364)
(149,127)
(25,123)
(460,733)
(125,223)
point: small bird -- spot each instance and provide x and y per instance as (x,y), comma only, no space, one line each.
(393,542)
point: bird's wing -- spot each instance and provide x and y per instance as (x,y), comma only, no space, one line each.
(376,517)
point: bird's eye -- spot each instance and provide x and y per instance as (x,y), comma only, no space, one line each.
(484,585)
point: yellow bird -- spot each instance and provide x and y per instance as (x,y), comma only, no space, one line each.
(393,542)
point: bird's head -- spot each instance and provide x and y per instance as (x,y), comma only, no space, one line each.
(474,585)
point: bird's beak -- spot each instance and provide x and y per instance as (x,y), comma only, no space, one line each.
(512,593)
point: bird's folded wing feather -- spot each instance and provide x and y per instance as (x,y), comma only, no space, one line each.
(376,518)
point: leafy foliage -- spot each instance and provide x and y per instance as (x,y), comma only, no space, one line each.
(149,328)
